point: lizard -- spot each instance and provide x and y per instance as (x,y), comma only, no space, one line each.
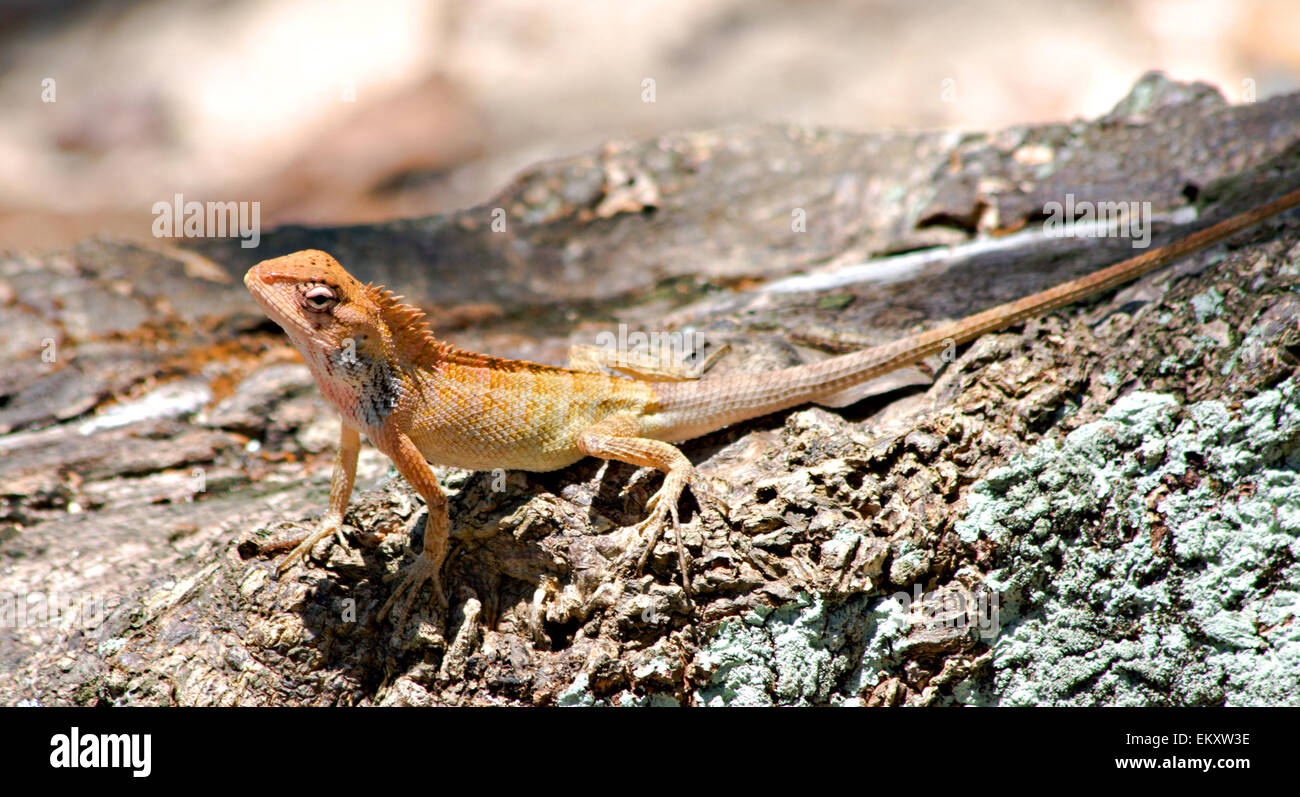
(420,400)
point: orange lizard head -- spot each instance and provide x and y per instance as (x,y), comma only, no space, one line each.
(318,303)
(326,311)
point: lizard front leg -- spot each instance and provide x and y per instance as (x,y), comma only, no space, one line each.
(345,473)
(437,527)
(617,438)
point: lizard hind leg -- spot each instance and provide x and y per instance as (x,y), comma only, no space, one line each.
(617,438)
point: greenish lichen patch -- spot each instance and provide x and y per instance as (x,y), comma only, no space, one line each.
(578,694)
(1149,558)
(799,654)
(1207,305)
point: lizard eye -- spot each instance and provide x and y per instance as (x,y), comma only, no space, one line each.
(320,297)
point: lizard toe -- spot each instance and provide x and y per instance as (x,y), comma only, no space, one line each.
(651,530)
(303,549)
(412,578)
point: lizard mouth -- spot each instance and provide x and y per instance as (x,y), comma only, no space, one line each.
(258,285)
(261,274)
(256,279)
(261,284)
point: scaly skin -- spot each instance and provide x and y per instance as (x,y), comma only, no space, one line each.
(420,400)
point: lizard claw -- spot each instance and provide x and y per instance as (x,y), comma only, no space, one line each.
(413,577)
(652,528)
(324,528)
(663,511)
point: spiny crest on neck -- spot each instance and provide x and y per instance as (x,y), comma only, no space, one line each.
(416,344)
(412,336)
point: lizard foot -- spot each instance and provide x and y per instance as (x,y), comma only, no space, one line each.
(423,569)
(325,527)
(662,507)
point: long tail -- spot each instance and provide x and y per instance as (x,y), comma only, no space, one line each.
(691,409)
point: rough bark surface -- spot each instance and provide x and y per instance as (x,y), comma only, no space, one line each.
(1099,507)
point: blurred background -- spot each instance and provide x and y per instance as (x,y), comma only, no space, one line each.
(349,111)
